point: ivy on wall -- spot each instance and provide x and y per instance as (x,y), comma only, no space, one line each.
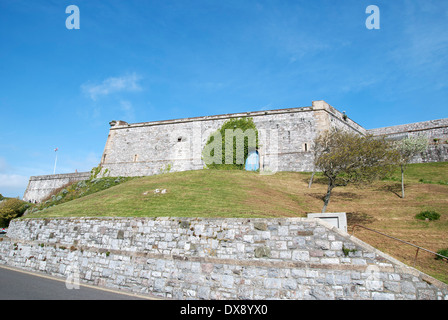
(229,147)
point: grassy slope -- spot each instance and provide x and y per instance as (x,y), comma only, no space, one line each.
(210,193)
(207,193)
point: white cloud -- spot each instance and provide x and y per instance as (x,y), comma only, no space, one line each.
(13,185)
(111,85)
(12,180)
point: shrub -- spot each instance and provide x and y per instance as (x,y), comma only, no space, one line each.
(443,252)
(1,197)
(231,153)
(430,215)
(10,209)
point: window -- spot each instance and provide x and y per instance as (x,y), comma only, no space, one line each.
(135,158)
(306,147)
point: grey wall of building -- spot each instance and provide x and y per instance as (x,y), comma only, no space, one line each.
(286,137)
(436,131)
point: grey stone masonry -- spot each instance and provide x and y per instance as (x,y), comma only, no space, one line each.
(286,139)
(285,136)
(202,258)
(435,130)
(39,187)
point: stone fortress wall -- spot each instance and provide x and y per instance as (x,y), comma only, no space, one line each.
(435,130)
(215,258)
(285,136)
(39,187)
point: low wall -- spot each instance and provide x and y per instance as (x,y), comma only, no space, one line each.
(434,153)
(432,129)
(39,187)
(180,258)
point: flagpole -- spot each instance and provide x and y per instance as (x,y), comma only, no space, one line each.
(55,160)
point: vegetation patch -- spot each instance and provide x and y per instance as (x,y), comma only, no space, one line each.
(443,252)
(229,147)
(347,251)
(77,190)
(430,173)
(428,215)
(11,208)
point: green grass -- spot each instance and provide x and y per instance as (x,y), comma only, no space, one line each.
(433,173)
(212,193)
(206,193)
(77,190)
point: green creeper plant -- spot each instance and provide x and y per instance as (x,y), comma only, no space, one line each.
(229,147)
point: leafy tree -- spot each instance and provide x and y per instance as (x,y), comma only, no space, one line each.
(11,208)
(409,148)
(346,157)
(229,147)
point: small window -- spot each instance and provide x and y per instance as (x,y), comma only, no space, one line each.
(135,158)
(179,139)
(306,147)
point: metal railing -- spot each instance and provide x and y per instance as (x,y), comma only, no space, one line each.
(408,243)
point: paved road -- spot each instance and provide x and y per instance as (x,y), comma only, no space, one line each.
(19,285)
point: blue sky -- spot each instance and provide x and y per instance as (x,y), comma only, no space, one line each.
(140,61)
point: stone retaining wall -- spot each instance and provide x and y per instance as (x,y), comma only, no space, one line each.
(180,258)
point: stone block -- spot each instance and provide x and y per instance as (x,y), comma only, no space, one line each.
(300,255)
(261,226)
(272,283)
(383,296)
(262,252)
(337,219)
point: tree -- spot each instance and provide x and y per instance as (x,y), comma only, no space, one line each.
(229,147)
(409,148)
(10,209)
(346,157)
